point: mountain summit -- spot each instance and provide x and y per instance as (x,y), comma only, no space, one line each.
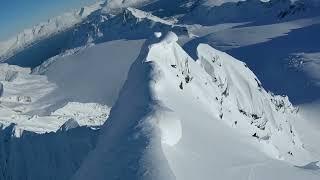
(180,108)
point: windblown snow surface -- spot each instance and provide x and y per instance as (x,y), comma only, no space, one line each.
(141,89)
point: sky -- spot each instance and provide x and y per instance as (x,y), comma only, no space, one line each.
(17,15)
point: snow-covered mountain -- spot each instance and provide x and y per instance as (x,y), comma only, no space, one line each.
(176,102)
(44,30)
(98,27)
(141,89)
(257,11)
(92,25)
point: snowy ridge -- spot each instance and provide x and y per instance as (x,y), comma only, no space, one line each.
(203,12)
(141,15)
(67,21)
(130,22)
(251,11)
(115,6)
(96,28)
(267,117)
(45,30)
(54,155)
(172,99)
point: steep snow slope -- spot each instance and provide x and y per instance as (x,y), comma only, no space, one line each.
(180,118)
(207,13)
(46,156)
(274,40)
(310,121)
(275,69)
(236,37)
(130,23)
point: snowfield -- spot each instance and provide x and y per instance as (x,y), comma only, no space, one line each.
(22,104)
(142,89)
